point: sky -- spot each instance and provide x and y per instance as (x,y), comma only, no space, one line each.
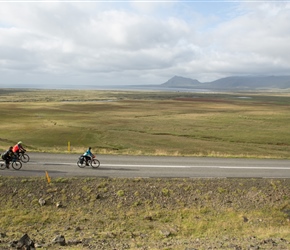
(55,44)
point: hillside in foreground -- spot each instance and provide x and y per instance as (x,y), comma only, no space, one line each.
(99,213)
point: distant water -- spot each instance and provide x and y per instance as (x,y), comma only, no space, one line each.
(112,87)
(145,88)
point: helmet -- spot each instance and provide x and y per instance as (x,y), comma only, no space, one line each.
(10,147)
(90,148)
(20,142)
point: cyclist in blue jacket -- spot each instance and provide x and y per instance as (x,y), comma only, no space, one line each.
(88,155)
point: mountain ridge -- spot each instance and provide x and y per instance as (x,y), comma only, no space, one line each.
(231,83)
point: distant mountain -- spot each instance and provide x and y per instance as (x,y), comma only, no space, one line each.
(181,82)
(232,83)
(252,82)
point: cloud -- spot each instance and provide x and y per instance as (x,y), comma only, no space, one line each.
(256,41)
(140,43)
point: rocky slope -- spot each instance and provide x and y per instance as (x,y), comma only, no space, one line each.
(96,213)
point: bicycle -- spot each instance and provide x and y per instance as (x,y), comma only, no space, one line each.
(93,162)
(15,163)
(23,156)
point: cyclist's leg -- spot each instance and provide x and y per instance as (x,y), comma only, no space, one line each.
(7,161)
(87,160)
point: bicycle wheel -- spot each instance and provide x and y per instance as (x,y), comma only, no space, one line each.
(16,165)
(2,165)
(24,158)
(81,163)
(95,163)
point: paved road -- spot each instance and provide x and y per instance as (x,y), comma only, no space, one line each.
(64,165)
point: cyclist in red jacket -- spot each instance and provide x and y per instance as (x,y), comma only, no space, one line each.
(18,148)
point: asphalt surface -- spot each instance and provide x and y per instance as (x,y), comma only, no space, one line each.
(64,165)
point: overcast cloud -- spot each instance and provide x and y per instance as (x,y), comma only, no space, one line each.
(70,43)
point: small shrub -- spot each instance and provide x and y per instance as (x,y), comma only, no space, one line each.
(165,192)
(61,180)
(137,203)
(102,185)
(221,190)
(121,193)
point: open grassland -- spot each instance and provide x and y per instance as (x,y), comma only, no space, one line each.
(148,123)
(97,213)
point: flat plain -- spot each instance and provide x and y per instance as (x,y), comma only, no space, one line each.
(147,123)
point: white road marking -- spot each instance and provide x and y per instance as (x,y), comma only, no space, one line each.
(176,166)
(143,166)
(170,166)
(276,168)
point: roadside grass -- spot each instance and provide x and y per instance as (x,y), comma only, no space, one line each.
(147,123)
